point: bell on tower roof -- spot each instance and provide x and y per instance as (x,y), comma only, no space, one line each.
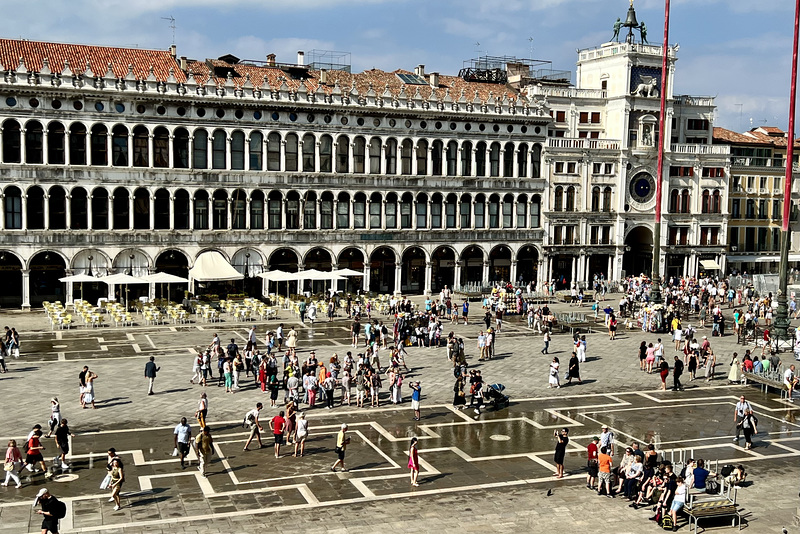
(632,24)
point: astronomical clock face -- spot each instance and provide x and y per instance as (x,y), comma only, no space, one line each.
(643,187)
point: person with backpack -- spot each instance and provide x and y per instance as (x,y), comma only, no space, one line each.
(251,420)
(52,511)
(678,502)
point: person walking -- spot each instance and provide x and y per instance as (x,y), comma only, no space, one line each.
(547,338)
(204,446)
(227,372)
(604,466)
(413,461)
(739,411)
(251,419)
(342,440)
(677,371)
(196,372)
(301,434)
(664,373)
(415,398)
(55,416)
(561,451)
(82,384)
(749,428)
(62,438)
(183,438)
(150,371)
(88,390)
(52,511)
(202,410)
(205,367)
(277,425)
(573,369)
(12,464)
(117,479)
(553,381)
(34,454)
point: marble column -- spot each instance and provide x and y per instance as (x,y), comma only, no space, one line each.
(398,277)
(26,289)
(428,277)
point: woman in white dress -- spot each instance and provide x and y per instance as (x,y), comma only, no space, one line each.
(554,380)
(88,391)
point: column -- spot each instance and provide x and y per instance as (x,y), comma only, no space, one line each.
(574,268)
(247,212)
(351,216)
(609,268)
(460,161)
(414,166)
(89,214)
(170,151)
(428,277)
(228,141)
(46,201)
(26,289)
(430,160)
(723,263)
(501,170)
(68,298)
(68,211)
(398,278)
(335,211)
(351,168)
(513,272)
(367,272)
(130,211)
(301,282)
(429,214)
(24,203)
(457,274)
(485,274)
(109,150)
(318,213)
(191,212)
(472,216)
(283,214)
(171,224)
(549,269)
(150,150)
(473,171)
(515,164)
(618,264)
(229,213)
(152,202)
(383,214)
(46,156)
(316,157)
(383,152)
(22,157)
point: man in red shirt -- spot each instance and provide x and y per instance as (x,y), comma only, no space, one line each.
(604,462)
(277,424)
(591,451)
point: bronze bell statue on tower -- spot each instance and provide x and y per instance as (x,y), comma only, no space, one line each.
(631,23)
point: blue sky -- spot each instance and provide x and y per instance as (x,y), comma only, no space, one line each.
(737,50)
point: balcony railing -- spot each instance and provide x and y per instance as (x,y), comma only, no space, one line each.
(583,143)
(566,92)
(688,100)
(721,150)
(614,49)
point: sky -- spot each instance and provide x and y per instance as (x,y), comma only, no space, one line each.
(736,50)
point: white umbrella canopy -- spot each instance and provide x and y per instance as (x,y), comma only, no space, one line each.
(347,272)
(314,274)
(165,278)
(80,278)
(121,278)
(278,276)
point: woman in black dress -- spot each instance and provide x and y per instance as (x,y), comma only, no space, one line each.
(692,366)
(642,356)
(459,397)
(574,369)
(561,451)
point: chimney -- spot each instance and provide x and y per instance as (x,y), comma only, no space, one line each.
(271,60)
(323,77)
(173,51)
(184,64)
(434,79)
(420,70)
(301,58)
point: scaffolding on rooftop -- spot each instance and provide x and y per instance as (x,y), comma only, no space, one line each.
(497,69)
(329,60)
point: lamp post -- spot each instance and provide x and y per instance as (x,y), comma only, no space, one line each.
(89,272)
(782,313)
(246,272)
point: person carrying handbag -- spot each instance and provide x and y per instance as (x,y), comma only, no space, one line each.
(748,425)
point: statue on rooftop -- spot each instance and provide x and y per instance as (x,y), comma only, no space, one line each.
(643,32)
(617,27)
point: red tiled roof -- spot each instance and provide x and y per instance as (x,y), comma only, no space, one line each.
(756,136)
(98,57)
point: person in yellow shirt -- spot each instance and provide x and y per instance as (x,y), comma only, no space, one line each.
(204,445)
(341,445)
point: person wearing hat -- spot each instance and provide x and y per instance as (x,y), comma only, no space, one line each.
(592,457)
(341,446)
(52,510)
(607,439)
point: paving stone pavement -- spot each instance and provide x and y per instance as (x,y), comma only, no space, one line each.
(52,360)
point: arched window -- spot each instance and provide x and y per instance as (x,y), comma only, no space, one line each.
(375,208)
(257,210)
(180,219)
(239,207)
(436,210)
(274,208)
(406,152)
(466,159)
(180,148)
(256,145)
(405,210)
(100,209)
(360,210)
(310,211)
(422,211)
(359,155)
(480,211)
(326,153)
(309,153)
(508,160)
(685,201)
(466,211)
(716,206)
(437,147)
(77,144)
(57,208)
(508,211)
(12,207)
(391,156)
(673,201)
(706,202)
(200,151)
(536,160)
(451,158)
(522,161)
(219,210)
(451,211)
(326,211)
(494,159)
(480,159)
(12,151)
(375,156)
(141,209)
(607,199)
(422,157)
(595,199)
(34,142)
(237,151)
(291,148)
(119,146)
(160,147)
(570,198)
(161,210)
(219,158)
(35,208)
(391,210)
(494,211)
(522,211)
(558,199)
(78,209)
(536,211)
(343,211)
(201,209)
(343,154)
(121,217)
(293,210)
(141,157)
(55,143)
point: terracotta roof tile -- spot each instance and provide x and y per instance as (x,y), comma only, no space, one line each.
(98,57)
(756,136)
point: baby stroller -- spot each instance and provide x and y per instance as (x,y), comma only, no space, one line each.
(494,394)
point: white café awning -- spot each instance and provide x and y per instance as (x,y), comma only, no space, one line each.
(711,265)
(211,266)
